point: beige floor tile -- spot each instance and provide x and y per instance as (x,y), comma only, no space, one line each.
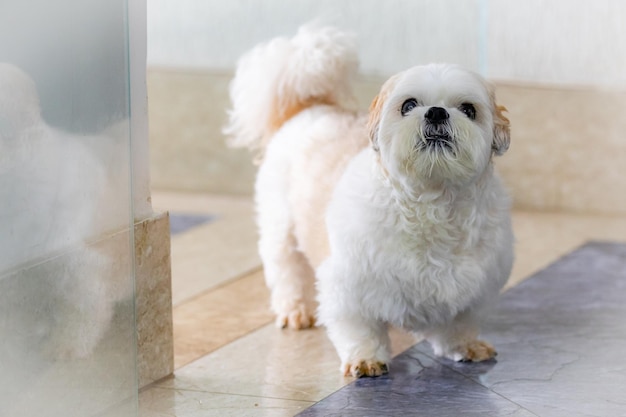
(219,317)
(272,363)
(159,402)
(544,237)
(302,367)
(212,254)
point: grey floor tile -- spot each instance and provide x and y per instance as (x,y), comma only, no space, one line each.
(418,386)
(561,339)
(180,222)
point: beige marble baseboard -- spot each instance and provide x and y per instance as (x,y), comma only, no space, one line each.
(153,299)
(187,149)
(567,148)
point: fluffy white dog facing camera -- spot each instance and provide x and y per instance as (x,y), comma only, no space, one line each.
(396,216)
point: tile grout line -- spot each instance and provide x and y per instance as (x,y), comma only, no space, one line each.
(354,380)
(233,394)
(249,332)
(475,382)
(241,336)
(534,274)
(466,377)
(255,274)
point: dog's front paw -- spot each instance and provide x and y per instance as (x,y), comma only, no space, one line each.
(361,368)
(474,351)
(297,317)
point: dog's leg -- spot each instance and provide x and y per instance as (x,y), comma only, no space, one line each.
(459,340)
(288,274)
(362,342)
(362,345)
(291,281)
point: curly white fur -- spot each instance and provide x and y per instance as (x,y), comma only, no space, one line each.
(316,65)
(405,231)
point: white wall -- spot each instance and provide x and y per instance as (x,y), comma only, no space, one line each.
(547,41)
(393,34)
(558,41)
(139,134)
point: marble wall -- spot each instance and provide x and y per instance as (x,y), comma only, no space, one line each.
(567,150)
(567,147)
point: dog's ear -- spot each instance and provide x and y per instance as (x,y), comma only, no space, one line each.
(501,131)
(501,126)
(376,109)
(374,120)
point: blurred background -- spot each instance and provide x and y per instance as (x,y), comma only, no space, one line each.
(558,66)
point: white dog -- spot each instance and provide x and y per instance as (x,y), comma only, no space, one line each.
(409,228)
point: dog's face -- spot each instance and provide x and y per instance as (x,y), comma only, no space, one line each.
(437,123)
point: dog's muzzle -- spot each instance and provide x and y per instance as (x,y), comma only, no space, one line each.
(436,130)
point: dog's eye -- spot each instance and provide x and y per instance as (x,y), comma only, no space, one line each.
(408,105)
(469,110)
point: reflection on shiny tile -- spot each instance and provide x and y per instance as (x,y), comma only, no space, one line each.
(160,402)
(272,363)
(218,317)
(417,386)
(268,363)
(561,338)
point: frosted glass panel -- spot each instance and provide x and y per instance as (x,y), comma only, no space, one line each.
(67,325)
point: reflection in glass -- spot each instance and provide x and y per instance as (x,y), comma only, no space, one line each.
(66,275)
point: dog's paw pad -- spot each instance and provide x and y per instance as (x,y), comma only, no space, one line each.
(360,369)
(297,319)
(476,351)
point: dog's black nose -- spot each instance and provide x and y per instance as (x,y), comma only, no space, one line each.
(437,115)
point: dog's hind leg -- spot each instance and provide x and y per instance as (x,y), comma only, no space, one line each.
(288,273)
(291,281)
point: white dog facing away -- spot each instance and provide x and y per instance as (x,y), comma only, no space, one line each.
(397,215)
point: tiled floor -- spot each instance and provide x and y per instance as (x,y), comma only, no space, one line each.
(231,361)
(561,339)
(180,223)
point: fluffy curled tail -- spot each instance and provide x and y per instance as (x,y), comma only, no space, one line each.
(278,79)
